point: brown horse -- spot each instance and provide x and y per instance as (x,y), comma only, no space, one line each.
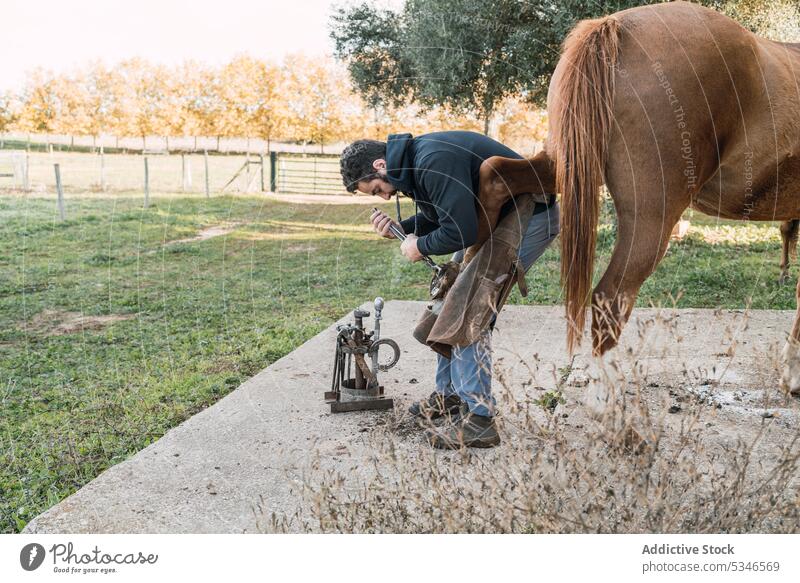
(671,106)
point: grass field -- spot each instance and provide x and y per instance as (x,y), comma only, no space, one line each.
(195,319)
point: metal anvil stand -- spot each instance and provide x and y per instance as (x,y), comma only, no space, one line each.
(362,391)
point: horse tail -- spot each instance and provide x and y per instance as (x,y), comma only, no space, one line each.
(583,98)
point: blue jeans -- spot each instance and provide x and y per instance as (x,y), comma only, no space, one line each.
(468,373)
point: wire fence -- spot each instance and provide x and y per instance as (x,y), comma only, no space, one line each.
(160,143)
(149,172)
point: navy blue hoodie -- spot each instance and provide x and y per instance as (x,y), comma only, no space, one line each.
(440,172)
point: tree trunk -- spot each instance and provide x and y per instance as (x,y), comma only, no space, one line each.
(486,121)
(217,143)
(166,139)
(195,143)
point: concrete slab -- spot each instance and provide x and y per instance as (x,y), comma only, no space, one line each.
(232,465)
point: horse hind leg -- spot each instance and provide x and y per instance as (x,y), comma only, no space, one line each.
(789,231)
(642,241)
(790,356)
(641,244)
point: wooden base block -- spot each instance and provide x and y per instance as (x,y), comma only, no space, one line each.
(365,405)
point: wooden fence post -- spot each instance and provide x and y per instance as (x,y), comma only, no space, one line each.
(186,173)
(19,170)
(26,175)
(273,174)
(62,213)
(315,174)
(146,184)
(247,177)
(208,186)
(261,157)
(102,169)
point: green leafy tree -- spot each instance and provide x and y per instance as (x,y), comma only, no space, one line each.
(774,19)
(371,41)
(468,55)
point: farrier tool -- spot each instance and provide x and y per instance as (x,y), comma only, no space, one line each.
(353,344)
(443,275)
(398,234)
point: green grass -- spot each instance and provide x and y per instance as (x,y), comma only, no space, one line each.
(206,315)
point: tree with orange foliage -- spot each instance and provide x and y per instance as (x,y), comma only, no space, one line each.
(105,99)
(250,99)
(320,105)
(521,125)
(268,118)
(72,116)
(146,101)
(8,113)
(39,103)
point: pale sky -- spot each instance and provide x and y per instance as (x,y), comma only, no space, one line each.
(63,34)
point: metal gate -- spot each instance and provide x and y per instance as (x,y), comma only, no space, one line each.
(306,174)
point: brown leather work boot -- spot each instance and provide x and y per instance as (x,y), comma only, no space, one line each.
(435,406)
(465,430)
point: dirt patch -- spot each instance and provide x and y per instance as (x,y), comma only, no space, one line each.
(300,248)
(209,233)
(58,323)
(221,365)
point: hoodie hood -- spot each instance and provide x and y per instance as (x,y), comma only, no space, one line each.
(400,162)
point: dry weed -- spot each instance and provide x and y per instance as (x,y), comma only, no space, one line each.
(631,467)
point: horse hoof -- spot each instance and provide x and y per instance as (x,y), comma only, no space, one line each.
(790,356)
(597,400)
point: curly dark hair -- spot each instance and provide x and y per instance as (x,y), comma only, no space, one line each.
(356,162)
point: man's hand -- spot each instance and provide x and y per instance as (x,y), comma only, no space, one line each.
(381,221)
(409,248)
